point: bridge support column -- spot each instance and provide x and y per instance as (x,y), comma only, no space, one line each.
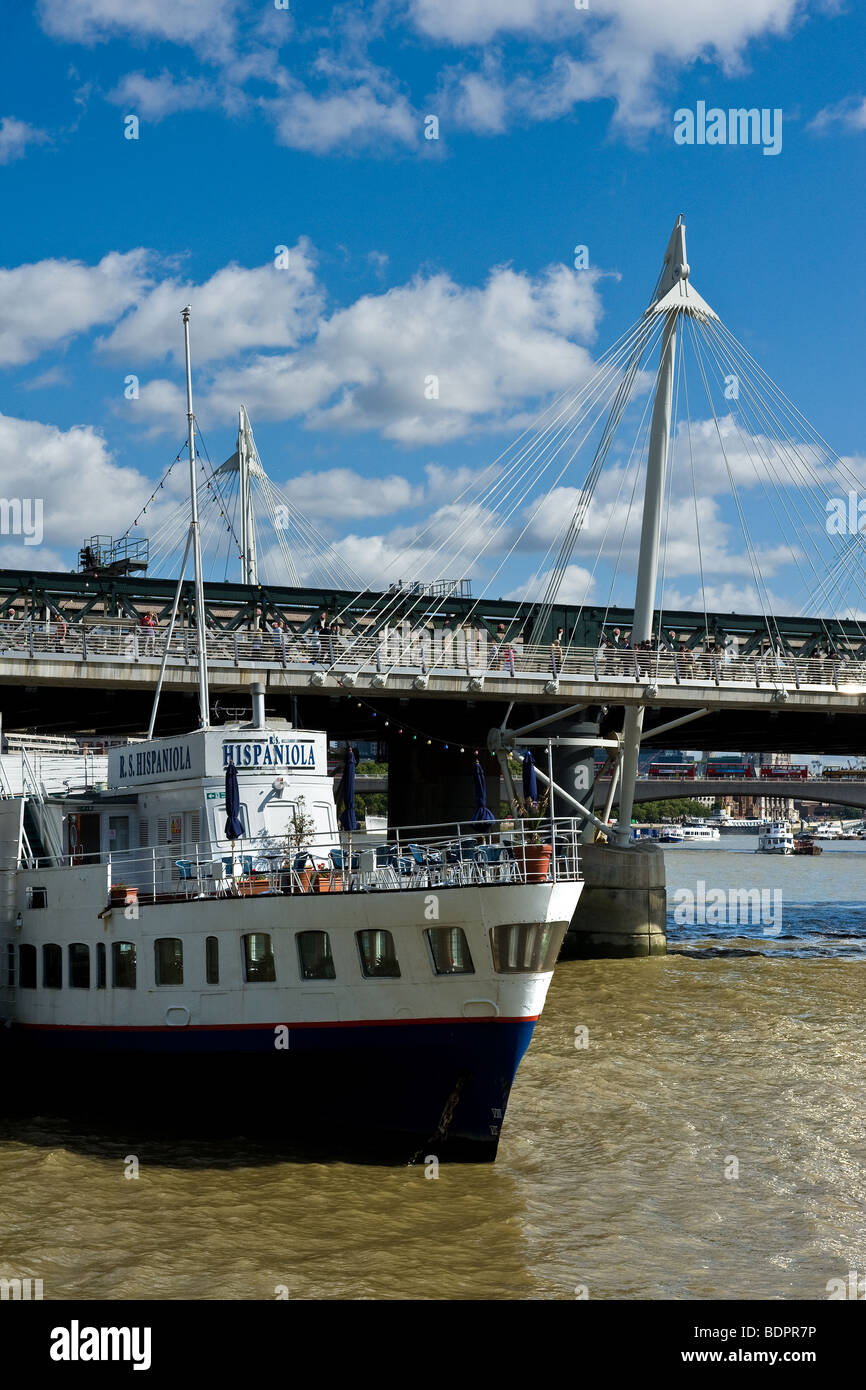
(574,768)
(428,786)
(623,907)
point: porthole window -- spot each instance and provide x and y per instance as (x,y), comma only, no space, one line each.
(168,960)
(79,965)
(100,965)
(314,956)
(123,968)
(27,966)
(212,960)
(52,966)
(450,951)
(259,967)
(378,956)
(527,948)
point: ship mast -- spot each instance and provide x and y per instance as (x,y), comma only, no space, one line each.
(200,625)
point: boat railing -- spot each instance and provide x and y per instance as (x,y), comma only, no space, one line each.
(347,658)
(449,854)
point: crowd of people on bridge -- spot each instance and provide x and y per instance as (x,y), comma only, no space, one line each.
(445,644)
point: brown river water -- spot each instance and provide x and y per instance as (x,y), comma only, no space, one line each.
(708,1142)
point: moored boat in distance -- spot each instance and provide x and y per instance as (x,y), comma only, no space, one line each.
(805,844)
(699,830)
(776,839)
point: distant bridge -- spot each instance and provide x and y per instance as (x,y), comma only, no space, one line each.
(836,791)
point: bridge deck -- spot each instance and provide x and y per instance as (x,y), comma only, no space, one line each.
(103,656)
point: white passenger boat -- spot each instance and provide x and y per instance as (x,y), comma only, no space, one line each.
(698,830)
(197,939)
(776,839)
(348,992)
(671,835)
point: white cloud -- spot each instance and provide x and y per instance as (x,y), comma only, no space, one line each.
(373,364)
(235,310)
(153,98)
(334,97)
(622,51)
(848,114)
(67,470)
(578,585)
(177,21)
(340,492)
(47,302)
(15,138)
(353,119)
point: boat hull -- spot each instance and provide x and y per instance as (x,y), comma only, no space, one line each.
(383,1088)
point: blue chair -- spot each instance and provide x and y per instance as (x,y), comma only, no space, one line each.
(425,859)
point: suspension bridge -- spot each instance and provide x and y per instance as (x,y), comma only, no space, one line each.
(676,412)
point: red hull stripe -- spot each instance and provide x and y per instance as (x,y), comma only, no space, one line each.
(280,1023)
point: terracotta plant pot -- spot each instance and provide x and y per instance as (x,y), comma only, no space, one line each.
(534,862)
(122,896)
(323,884)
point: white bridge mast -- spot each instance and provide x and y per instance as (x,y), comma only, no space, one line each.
(246,451)
(674,297)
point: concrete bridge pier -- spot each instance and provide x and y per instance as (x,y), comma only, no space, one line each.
(623,906)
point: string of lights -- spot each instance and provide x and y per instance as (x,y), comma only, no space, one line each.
(152,498)
(413,734)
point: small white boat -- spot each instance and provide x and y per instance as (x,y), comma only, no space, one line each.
(671,835)
(699,831)
(776,839)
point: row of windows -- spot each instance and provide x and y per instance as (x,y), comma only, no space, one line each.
(526,948)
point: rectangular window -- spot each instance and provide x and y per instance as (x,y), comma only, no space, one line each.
(378,957)
(314,956)
(37,897)
(79,965)
(27,966)
(527,948)
(168,960)
(212,960)
(100,965)
(450,951)
(10,965)
(123,964)
(52,966)
(258,958)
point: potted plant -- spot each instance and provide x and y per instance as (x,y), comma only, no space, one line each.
(533,854)
(300,831)
(122,895)
(326,881)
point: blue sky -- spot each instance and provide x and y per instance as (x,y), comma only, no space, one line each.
(261,127)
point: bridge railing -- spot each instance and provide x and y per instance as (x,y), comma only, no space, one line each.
(468,654)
